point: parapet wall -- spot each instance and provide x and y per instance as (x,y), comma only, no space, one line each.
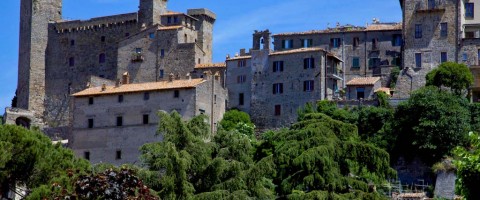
(96,23)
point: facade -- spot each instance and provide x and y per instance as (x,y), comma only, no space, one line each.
(111,122)
(59,57)
(272,85)
(366,51)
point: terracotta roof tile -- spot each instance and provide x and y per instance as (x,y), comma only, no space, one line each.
(169,28)
(363,81)
(210,65)
(170,13)
(140,87)
(348,28)
(239,57)
(301,50)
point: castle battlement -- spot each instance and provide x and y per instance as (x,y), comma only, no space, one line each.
(96,23)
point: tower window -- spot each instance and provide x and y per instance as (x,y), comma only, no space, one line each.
(443,29)
(120,121)
(118,155)
(90,123)
(71,61)
(418,31)
(101,58)
(418,60)
(241,99)
(145,119)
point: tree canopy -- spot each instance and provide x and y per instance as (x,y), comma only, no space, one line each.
(467,162)
(455,76)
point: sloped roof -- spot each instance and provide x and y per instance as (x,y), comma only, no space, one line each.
(162,28)
(363,81)
(239,57)
(348,28)
(211,65)
(293,51)
(140,87)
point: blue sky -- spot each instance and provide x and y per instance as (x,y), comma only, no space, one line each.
(236,21)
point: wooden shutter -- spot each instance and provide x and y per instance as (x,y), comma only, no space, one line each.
(281,66)
(312,62)
(281,88)
(283,44)
(305,63)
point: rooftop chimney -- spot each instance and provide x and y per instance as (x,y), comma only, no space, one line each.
(170,77)
(104,87)
(126,78)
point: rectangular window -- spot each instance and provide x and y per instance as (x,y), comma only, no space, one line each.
(469,34)
(418,60)
(278,110)
(146,96)
(169,20)
(431,4)
(176,94)
(277,66)
(161,73)
(101,58)
(120,98)
(335,42)
(90,123)
(151,35)
(175,19)
(308,86)
(418,31)
(469,10)
(145,119)
(71,61)
(397,40)
(360,93)
(307,43)
(72,43)
(102,38)
(241,79)
(241,99)
(443,29)
(86,155)
(118,155)
(138,50)
(374,44)
(356,42)
(242,63)
(464,57)
(119,121)
(287,44)
(443,57)
(356,62)
(374,62)
(278,88)
(308,63)
(162,53)
(90,101)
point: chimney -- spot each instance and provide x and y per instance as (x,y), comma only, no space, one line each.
(118,82)
(126,78)
(217,76)
(104,87)
(170,77)
(189,77)
(242,52)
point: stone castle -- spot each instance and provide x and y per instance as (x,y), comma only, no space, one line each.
(78,77)
(60,57)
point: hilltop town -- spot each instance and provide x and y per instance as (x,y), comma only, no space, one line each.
(98,85)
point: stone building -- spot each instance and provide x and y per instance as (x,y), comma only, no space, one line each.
(362,88)
(272,85)
(111,122)
(59,57)
(366,51)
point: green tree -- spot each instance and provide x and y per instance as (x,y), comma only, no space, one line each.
(430,124)
(467,161)
(29,158)
(192,167)
(319,157)
(235,119)
(453,75)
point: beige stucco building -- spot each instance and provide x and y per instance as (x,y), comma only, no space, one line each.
(111,122)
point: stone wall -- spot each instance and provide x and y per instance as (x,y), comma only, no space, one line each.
(235,88)
(431,43)
(445,185)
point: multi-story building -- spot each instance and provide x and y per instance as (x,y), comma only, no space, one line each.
(58,57)
(272,85)
(111,122)
(366,51)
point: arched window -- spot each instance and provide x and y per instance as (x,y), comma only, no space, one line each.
(262,42)
(101,58)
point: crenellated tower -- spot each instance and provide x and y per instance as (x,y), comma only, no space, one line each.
(150,11)
(35,17)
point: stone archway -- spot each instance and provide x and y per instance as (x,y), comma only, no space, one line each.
(24,122)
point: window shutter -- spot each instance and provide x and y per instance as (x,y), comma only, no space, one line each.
(312,85)
(370,63)
(274,66)
(273,91)
(304,86)
(313,62)
(281,66)
(281,88)
(283,44)
(305,63)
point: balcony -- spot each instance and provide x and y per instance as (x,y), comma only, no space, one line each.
(333,73)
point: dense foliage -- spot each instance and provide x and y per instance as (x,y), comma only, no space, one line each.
(455,76)
(431,123)
(468,168)
(29,158)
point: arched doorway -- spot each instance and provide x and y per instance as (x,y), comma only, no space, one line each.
(23,121)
